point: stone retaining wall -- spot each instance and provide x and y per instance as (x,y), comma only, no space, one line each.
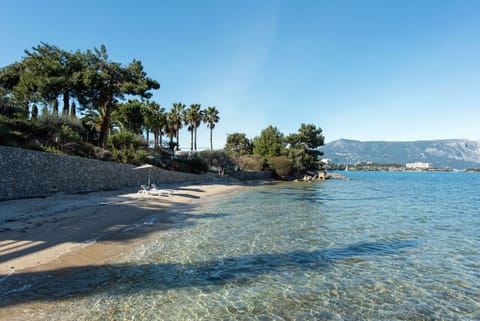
(249,175)
(27,173)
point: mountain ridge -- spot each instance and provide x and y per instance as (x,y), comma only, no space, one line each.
(441,153)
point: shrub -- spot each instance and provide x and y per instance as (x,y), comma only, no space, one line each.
(129,155)
(217,158)
(124,140)
(68,134)
(250,163)
(281,166)
(140,157)
(102,154)
(195,165)
(16,132)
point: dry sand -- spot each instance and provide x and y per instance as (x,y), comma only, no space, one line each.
(68,230)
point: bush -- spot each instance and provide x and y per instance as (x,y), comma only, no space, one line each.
(140,157)
(195,165)
(281,166)
(250,163)
(129,155)
(217,158)
(102,154)
(16,132)
(124,140)
(68,134)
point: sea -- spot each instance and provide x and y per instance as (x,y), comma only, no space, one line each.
(380,246)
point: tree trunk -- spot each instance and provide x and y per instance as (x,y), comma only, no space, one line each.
(191,140)
(195,129)
(172,147)
(178,137)
(55,108)
(102,140)
(73,110)
(34,112)
(211,141)
(66,103)
(155,139)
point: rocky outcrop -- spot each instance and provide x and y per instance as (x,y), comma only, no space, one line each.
(320,176)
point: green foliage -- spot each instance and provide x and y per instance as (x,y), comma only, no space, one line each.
(193,117)
(103,154)
(123,140)
(238,144)
(9,109)
(129,155)
(270,143)
(67,133)
(108,82)
(62,82)
(303,147)
(308,136)
(131,115)
(216,158)
(211,118)
(51,127)
(175,118)
(196,165)
(302,159)
(53,150)
(155,120)
(250,163)
(16,131)
(281,166)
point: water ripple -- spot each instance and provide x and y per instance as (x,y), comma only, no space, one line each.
(383,246)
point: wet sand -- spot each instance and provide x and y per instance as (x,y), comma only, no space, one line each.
(68,231)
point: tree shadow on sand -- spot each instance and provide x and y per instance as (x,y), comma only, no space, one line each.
(17,244)
(84,281)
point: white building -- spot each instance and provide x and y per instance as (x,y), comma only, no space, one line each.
(419,165)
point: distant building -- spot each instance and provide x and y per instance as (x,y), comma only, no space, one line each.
(419,165)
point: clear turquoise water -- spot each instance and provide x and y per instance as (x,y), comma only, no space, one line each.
(382,246)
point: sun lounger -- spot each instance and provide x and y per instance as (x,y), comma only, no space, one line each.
(163,191)
(154,190)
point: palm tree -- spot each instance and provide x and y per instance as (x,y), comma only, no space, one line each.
(175,119)
(155,120)
(195,116)
(188,118)
(160,124)
(170,131)
(95,118)
(211,118)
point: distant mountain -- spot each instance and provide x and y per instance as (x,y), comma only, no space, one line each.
(450,153)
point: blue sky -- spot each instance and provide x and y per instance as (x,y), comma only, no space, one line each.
(366,70)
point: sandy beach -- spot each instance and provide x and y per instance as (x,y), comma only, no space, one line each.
(73,230)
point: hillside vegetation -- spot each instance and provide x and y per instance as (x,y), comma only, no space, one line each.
(452,153)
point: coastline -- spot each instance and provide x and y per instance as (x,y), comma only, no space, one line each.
(71,230)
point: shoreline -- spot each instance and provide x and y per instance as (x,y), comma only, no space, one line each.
(71,230)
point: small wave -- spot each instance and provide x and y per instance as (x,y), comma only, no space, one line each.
(129,228)
(7,276)
(91,241)
(151,221)
(23,288)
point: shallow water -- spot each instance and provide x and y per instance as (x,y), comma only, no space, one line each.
(383,246)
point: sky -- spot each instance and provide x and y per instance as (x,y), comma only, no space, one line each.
(395,70)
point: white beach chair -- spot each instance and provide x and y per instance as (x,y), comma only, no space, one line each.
(143,190)
(162,191)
